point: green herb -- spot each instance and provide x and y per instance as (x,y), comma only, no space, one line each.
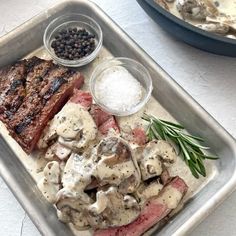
(188,145)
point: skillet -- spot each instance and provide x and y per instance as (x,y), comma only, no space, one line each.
(188,33)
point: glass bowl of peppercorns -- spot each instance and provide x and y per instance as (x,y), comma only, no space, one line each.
(73,40)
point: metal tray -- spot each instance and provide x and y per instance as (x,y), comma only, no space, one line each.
(174,101)
(188,33)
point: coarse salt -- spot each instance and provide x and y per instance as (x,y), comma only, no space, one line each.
(118,90)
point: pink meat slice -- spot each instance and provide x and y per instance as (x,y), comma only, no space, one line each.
(153,212)
(99,115)
(82,97)
(103,120)
(109,124)
(139,136)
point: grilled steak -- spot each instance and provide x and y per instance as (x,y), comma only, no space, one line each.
(12,91)
(31,92)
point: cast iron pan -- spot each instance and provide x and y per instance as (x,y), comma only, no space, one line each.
(189,33)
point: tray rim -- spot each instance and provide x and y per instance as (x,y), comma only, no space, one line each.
(218,198)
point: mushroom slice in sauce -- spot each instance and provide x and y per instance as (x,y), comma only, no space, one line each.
(224,20)
(74,126)
(116,164)
(50,183)
(196,9)
(49,134)
(145,191)
(216,28)
(163,4)
(154,155)
(71,205)
(57,150)
(76,176)
(111,162)
(112,209)
(77,218)
(70,210)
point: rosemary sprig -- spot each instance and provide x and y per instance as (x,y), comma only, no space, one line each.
(188,145)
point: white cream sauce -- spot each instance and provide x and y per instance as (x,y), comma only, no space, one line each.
(146,192)
(50,183)
(73,125)
(123,208)
(35,163)
(170,197)
(79,170)
(227,6)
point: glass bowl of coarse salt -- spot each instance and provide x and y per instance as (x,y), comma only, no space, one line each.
(121,86)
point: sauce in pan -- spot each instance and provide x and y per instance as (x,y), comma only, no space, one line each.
(215,16)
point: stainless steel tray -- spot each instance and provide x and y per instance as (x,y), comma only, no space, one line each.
(28,37)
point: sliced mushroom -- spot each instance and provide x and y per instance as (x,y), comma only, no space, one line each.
(57,150)
(166,151)
(49,154)
(71,207)
(70,215)
(62,152)
(111,162)
(116,164)
(154,155)
(49,134)
(196,9)
(50,183)
(163,4)
(224,21)
(112,209)
(76,176)
(216,28)
(74,126)
(70,210)
(147,191)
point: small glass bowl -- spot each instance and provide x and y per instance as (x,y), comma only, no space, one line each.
(78,21)
(137,70)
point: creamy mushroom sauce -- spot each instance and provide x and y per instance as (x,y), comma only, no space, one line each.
(72,121)
(215,16)
(36,163)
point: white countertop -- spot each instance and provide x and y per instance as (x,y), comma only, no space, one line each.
(208,78)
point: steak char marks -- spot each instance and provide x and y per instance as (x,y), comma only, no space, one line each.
(31,92)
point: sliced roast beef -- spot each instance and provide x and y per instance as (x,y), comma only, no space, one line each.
(99,115)
(103,120)
(44,89)
(139,136)
(108,125)
(83,98)
(154,210)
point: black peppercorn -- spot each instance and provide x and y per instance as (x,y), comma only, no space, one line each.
(73,43)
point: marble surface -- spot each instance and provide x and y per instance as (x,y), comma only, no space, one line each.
(208,78)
